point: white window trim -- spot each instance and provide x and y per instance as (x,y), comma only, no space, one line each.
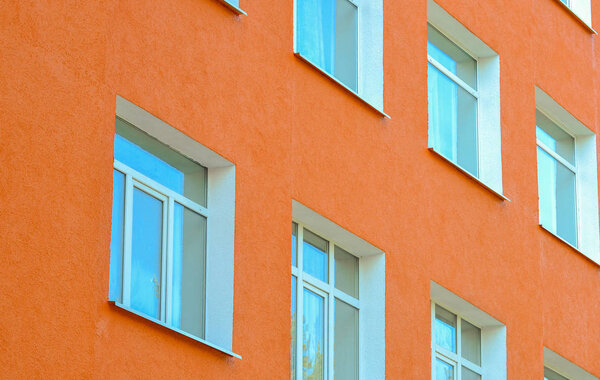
(493,332)
(371,335)
(369,52)
(234,5)
(581,11)
(586,178)
(220,226)
(564,367)
(489,149)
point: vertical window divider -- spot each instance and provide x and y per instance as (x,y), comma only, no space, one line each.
(299,301)
(163,261)
(330,311)
(169,266)
(128,217)
(459,346)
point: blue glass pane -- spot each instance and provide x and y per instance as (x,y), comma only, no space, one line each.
(116,238)
(148,164)
(146,254)
(315,33)
(445,329)
(443,58)
(443,113)
(313,339)
(443,370)
(314,255)
(294,244)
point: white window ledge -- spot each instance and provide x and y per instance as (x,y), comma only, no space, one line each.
(223,350)
(348,89)
(579,20)
(234,8)
(569,245)
(469,175)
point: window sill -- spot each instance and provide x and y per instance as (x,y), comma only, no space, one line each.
(225,351)
(234,8)
(576,17)
(569,245)
(348,89)
(469,175)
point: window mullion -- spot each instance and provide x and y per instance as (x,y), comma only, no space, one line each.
(163,261)
(331,311)
(459,347)
(170,242)
(299,301)
(557,157)
(127,240)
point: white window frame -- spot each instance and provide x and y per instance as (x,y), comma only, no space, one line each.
(586,175)
(582,10)
(371,316)
(493,335)
(219,265)
(489,149)
(564,367)
(454,358)
(328,291)
(369,53)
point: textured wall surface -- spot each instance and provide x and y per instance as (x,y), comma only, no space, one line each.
(233,84)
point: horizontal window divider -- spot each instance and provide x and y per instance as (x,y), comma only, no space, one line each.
(315,282)
(346,298)
(295,271)
(348,89)
(158,322)
(139,178)
(557,157)
(234,8)
(472,366)
(569,245)
(445,354)
(453,77)
(575,16)
(469,175)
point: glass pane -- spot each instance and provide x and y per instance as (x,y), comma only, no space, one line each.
(294,318)
(313,339)
(345,350)
(443,370)
(159,162)
(470,342)
(467,374)
(314,255)
(452,120)
(346,42)
(445,329)
(557,202)
(189,270)
(555,138)
(315,32)
(146,248)
(294,244)
(551,375)
(116,238)
(453,58)
(346,272)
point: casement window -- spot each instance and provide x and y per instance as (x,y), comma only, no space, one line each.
(344,39)
(463,98)
(557,173)
(567,177)
(457,346)
(467,344)
(557,367)
(160,249)
(334,292)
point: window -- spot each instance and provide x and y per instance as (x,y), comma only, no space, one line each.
(464,98)
(556,179)
(582,9)
(328,34)
(466,343)
(159,241)
(558,368)
(337,298)
(567,178)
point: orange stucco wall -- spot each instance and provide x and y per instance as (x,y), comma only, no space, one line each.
(233,84)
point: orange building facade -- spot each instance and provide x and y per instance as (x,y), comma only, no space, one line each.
(306,149)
